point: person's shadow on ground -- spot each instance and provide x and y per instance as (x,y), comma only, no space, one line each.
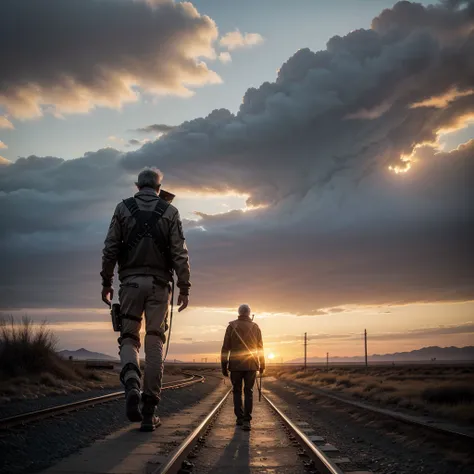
(237,453)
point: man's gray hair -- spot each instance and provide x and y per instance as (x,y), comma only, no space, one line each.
(244,309)
(149,178)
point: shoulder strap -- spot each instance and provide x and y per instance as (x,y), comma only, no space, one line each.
(132,206)
(155,231)
(146,223)
(161,207)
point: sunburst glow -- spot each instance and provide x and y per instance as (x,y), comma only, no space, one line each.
(400,169)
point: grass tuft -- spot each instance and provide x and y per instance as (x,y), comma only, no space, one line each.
(49,380)
(449,395)
(28,348)
(438,390)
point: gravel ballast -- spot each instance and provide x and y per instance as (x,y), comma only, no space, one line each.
(18,407)
(37,446)
(373,442)
(25,406)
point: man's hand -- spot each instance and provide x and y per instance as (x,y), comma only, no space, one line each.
(225,372)
(261,371)
(183,301)
(107,295)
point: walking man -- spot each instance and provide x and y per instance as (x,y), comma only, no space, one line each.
(146,239)
(242,354)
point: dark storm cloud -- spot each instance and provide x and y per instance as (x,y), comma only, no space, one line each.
(156,128)
(74,55)
(54,195)
(313,148)
(299,117)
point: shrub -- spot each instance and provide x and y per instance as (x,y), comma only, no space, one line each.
(49,380)
(345,383)
(371,386)
(95,377)
(328,379)
(449,395)
(29,348)
(301,375)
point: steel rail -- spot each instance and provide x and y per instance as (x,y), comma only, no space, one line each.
(28,417)
(175,460)
(321,461)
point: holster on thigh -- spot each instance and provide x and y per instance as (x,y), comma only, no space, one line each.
(126,334)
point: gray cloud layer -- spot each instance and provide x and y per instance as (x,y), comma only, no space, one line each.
(304,109)
(418,333)
(156,128)
(314,147)
(74,55)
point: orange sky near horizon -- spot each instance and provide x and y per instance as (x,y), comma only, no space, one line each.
(197,333)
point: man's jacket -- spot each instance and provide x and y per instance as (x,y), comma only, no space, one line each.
(146,258)
(243,346)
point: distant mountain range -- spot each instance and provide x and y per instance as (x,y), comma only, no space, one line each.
(84,354)
(424,354)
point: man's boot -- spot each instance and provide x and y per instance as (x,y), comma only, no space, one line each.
(246,425)
(239,422)
(150,419)
(132,400)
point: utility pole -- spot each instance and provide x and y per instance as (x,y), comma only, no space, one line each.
(305,349)
(327,361)
(365,344)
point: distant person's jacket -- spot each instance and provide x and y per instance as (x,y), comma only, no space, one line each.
(146,258)
(243,346)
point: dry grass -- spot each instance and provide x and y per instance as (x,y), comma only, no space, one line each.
(437,390)
(28,348)
(30,367)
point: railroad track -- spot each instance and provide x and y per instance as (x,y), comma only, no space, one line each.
(193,447)
(437,426)
(28,417)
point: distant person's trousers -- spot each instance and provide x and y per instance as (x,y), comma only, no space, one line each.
(137,295)
(247,379)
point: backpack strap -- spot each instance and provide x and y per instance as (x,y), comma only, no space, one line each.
(155,231)
(161,207)
(146,226)
(132,206)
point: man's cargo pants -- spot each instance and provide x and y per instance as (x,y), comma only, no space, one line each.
(248,378)
(137,295)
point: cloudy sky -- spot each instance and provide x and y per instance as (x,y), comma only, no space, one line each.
(322,154)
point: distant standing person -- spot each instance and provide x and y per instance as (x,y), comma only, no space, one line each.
(242,354)
(146,239)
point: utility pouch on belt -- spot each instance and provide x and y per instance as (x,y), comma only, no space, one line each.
(116,318)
